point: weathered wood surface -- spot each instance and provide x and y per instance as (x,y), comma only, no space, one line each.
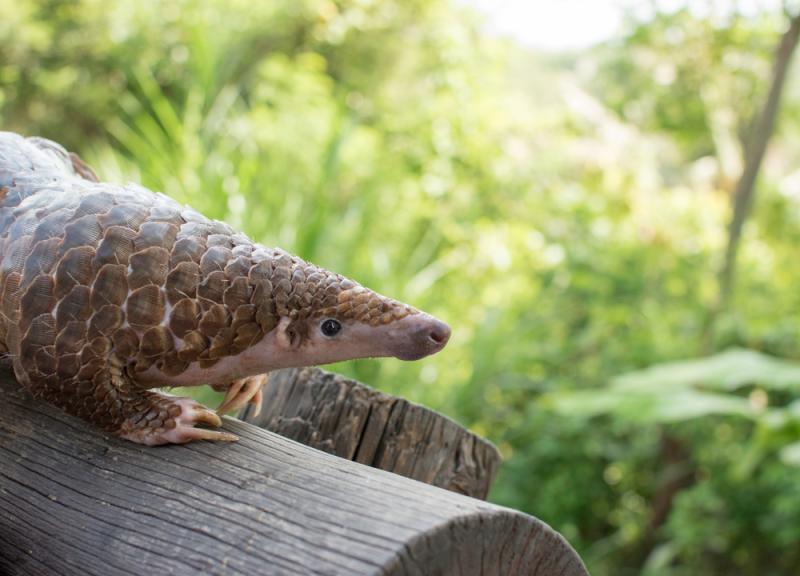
(74,501)
(349,419)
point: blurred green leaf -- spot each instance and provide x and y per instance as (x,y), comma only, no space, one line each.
(642,406)
(729,370)
(791,454)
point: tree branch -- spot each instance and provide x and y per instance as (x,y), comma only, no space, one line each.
(755,149)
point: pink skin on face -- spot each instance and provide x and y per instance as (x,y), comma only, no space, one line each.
(410,338)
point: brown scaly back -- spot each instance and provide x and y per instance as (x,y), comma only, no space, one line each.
(93,273)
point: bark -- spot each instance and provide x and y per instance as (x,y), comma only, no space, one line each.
(344,417)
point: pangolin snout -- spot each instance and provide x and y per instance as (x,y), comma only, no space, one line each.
(420,335)
(439,333)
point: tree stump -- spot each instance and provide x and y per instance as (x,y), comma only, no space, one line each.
(351,420)
(74,501)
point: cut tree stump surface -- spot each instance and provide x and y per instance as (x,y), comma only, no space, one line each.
(349,419)
(74,501)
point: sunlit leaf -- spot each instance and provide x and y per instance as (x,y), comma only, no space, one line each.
(790,454)
(638,406)
(729,370)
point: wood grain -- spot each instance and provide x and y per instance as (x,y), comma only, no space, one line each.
(74,501)
(349,419)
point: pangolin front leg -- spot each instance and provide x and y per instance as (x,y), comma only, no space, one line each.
(172,420)
(112,400)
(239,392)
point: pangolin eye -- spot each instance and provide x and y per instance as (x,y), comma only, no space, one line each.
(330,327)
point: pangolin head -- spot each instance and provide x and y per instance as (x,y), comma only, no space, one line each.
(325,317)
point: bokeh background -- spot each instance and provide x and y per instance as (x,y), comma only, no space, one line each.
(558,188)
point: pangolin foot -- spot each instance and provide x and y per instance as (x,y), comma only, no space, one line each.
(240,392)
(178,427)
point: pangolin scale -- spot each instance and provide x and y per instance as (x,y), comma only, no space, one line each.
(109,291)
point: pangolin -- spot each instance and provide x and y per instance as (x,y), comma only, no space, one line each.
(108,292)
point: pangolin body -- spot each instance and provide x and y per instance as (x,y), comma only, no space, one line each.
(108,291)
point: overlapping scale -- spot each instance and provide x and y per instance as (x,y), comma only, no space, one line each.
(96,275)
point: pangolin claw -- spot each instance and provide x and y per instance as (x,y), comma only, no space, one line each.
(242,391)
(256,401)
(205,416)
(203,434)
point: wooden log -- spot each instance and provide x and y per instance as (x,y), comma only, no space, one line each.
(349,419)
(74,501)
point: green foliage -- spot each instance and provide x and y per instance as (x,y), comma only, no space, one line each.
(677,391)
(696,79)
(565,215)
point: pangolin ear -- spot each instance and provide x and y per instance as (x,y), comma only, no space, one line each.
(283,336)
(287,336)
